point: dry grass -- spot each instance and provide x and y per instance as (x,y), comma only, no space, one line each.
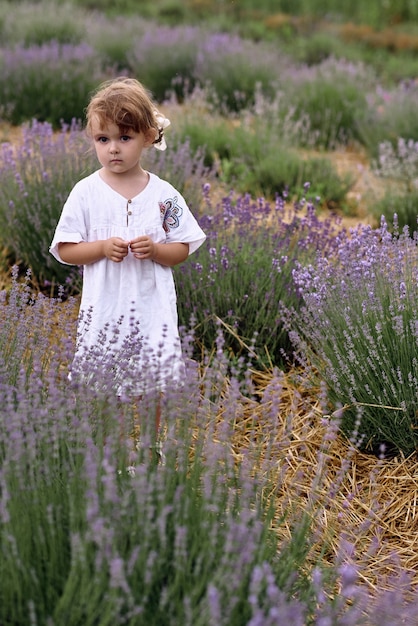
(388,38)
(9,133)
(370,503)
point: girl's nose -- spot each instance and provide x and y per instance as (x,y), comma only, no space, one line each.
(113,148)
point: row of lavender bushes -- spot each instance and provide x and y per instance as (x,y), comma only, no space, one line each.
(341,98)
(51,81)
(246,275)
(95,532)
(372,14)
(53,56)
(245,268)
(332,94)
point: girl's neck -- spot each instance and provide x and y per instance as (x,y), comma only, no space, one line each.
(127,184)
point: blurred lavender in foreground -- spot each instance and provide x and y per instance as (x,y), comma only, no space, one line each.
(84,540)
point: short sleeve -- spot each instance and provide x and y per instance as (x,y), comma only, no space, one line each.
(71,227)
(178,222)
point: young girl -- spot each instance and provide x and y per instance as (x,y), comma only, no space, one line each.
(128,228)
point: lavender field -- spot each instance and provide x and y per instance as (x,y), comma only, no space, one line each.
(289,492)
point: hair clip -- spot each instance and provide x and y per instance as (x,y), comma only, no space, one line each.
(163,122)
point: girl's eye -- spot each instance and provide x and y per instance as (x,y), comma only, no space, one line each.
(102,139)
(125,138)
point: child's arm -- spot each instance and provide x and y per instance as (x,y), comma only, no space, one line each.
(168,254)
(86,252)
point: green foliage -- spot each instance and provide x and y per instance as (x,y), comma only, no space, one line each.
(48,83)
(214,134)
(392,115)
(398,208)
(31,23)
(372,12)
(392,68)
(268,172)
(329,187)
(254,154)
(279,169)
(115,7)
(333,102)
(314,49)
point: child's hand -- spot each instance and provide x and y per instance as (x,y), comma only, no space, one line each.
(116,249)
(142,247)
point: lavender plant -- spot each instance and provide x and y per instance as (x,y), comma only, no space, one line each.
(390,115)
(398,207)
(358,327)
(116,51)
(333,96)
(36,178)
(244,270)
(254,152)
(85,541)
(398,166)
(233,69)
(25,335)
(399,162)
(50,82)
(178,58)
(34,24)
(164,59)
(184,166)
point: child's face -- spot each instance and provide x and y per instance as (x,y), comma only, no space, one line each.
(118,152)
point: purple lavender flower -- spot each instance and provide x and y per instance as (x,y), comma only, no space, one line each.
(357,323)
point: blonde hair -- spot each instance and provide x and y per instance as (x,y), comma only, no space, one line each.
(126,103)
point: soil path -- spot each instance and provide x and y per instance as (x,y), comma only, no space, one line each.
(366,187)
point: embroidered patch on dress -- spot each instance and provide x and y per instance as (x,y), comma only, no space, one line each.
(170,213)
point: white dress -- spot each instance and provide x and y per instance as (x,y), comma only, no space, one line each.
(128,315)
